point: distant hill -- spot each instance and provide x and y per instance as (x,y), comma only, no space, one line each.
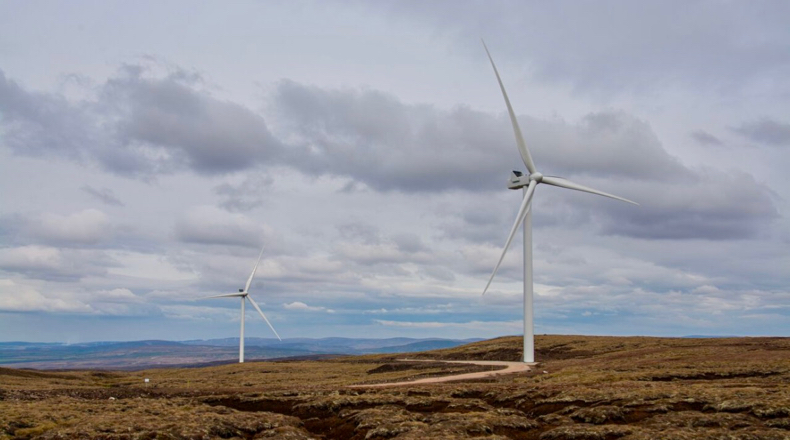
(154,353)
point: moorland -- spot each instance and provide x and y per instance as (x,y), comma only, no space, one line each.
(584,387)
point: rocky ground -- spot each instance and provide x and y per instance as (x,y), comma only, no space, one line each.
(584,388)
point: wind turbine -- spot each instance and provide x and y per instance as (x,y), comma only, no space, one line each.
(244,295)
(528,183)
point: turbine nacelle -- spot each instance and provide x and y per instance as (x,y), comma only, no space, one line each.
(518,180)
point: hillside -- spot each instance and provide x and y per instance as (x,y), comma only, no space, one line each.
(584,388)
(137,355)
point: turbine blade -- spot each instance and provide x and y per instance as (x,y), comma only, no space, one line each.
(264,317)
(249,280)
(522,212)
(565,183)
(522,146)
(224,295)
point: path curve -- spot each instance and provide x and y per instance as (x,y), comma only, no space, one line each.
(510,368)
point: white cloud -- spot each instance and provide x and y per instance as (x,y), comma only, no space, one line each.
(15,297)
(298,305)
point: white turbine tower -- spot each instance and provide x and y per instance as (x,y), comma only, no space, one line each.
(244,295)
(528,183)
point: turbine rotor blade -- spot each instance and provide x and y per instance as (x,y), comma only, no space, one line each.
(565,183)
(264,317)
(249,280)
(522,146)
(224,295)
(522,212)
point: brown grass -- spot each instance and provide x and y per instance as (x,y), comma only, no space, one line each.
(592,388)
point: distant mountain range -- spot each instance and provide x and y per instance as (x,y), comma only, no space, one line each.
(137,355)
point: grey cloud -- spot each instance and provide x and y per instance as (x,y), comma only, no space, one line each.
(388,145)
(710,204)
(86,228)
(47,263)
(38,123)
(384,144)
(139,126)
(212,226)
(608,143)
(613,47)
(358,231)
(104,195)
(205,134)
(410,243)
(766,131)
(377,140)
(705,138)
(716,206)
(244,196)
(364,245)
(483,219)
(438,273)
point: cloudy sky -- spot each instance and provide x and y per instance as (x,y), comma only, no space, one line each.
(149,149)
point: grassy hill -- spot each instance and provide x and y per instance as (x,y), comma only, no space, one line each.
(584,388)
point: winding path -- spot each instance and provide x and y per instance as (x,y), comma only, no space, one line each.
(510,368)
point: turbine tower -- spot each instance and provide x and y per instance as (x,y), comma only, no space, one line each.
(244,295)
(528,183)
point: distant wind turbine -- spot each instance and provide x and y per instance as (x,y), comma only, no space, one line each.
(244,294)
(528,183)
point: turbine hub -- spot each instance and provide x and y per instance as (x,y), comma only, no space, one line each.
(536,176)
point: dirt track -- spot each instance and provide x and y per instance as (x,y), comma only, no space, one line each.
(510,368)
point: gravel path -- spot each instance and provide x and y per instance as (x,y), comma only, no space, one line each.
(510,368)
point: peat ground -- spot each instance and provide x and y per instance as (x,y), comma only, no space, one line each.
(584,388)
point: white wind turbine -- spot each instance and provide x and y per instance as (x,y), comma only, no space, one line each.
(528,183)
(244,295)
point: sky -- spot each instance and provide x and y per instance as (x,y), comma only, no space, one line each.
(149,150)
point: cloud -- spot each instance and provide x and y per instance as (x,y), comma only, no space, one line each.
(139,124)
(387,145)
(609,47)
(81,229)
(766,131)
(104,195)
(48,263)
(298,305)
(87,227)
(705,138)
(383,253)
(117,295)
(244,196)
(38,123)
(210,225)
(16,297)
(377,140)
(716,205)
(184,126)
